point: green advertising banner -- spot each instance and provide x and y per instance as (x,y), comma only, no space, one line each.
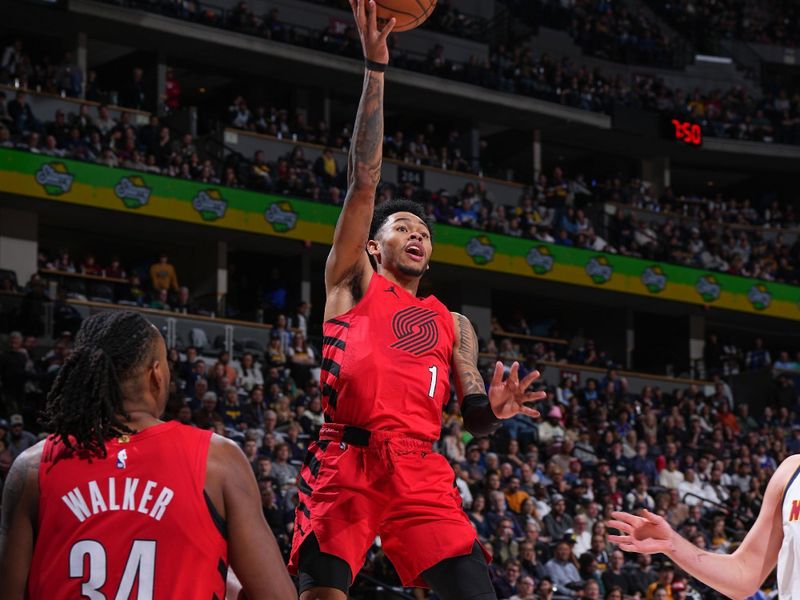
(98,186)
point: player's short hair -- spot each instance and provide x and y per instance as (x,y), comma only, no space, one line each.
(387,209)
(85,404)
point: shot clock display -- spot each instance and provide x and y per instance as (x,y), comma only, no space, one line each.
(684,131)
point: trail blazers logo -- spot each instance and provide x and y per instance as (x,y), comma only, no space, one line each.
(54,178)
(416,330)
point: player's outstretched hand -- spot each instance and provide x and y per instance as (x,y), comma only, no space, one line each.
(648,534)
(373,40)
(508,397)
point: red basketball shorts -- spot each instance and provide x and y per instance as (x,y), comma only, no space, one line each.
(395,487)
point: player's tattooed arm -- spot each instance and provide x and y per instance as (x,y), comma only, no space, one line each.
(465,358)
(366,152)
(18,521)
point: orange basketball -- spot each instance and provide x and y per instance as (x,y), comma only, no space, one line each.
(409,13)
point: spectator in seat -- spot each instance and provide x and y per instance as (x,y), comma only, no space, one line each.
(661,589)
(562,570)
(13,373)
(184,303)
(615,576)
(326,169)
(506,586)
(260,177)
(558,522)
(90,266)
(163,275)
(285,473)
(207,414)
(161,301)
(18,438)
(172,91)
(248,374)
(21,114)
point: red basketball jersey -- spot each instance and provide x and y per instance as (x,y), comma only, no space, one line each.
(134,525)
(386,362)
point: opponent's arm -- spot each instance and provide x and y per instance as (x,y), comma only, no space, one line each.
(252,549)
(736,575)
(348,256)
(483,413)
(18,523)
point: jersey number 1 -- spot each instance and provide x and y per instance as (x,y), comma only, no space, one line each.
(141,564)
(434,370)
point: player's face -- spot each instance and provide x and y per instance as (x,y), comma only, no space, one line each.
(403,244)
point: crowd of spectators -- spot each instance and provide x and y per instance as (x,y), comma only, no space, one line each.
(717,233)
(514,68)
(538,492)
(605,29)
(762,21)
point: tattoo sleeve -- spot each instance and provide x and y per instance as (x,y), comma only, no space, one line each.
(366,149)
(465,360)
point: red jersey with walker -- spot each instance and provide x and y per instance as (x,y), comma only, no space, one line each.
(386,362)
(135,524)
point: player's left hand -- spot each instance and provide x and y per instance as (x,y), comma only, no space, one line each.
(508,397)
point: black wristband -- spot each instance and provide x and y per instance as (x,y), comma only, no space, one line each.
(479,418)
(375,66)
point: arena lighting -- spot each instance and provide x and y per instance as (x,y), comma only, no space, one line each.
(709,58)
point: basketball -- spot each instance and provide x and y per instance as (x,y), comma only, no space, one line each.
(409,13)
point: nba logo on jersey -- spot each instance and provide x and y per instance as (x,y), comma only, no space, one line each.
(122,457)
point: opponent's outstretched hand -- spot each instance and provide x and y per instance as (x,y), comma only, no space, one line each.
(373,40)
(648,534)
(508,397)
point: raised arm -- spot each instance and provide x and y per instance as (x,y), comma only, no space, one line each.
(253,551)
(348,256)
(736,575)
(18,523)
(483,412)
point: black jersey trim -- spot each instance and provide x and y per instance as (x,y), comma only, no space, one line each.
(331,394)
(329,340)
(344,324)
(331,366)
(222,527)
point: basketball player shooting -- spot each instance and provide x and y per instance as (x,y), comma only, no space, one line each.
(387,360)
(773,540)
(118,504)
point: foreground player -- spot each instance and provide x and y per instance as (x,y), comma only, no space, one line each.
(117,504)
(387,358)
(773,540)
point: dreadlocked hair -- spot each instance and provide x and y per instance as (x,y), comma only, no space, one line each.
(85,403)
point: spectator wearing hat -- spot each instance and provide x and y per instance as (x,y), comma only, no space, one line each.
(19,440)
(562,570)
(558,523)
(551,429)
